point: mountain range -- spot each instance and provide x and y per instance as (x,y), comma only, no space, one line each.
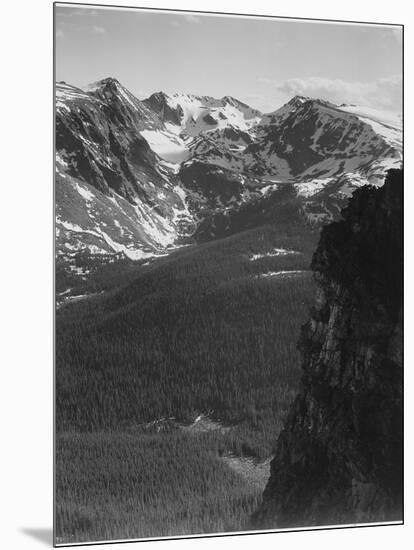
(139,178)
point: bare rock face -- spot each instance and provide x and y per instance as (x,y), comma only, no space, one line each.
(339,457)
(158,102)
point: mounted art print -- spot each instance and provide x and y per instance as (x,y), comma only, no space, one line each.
(228,274)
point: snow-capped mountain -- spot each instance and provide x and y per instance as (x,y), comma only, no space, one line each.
(137,177)
(195,114)
(188,119)
(323,150)
(318,138)
(113,193)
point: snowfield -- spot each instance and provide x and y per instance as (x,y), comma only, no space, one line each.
(167,145)
(273,253)
(222,113)
(386,124)
(310,188)
(382,117)
(281,273)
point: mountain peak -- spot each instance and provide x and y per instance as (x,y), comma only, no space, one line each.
(159,95)
(231,100)
(234,102)
(161,104)
(298,100)
(107,83)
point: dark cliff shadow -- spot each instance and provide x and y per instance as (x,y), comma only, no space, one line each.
(44,535)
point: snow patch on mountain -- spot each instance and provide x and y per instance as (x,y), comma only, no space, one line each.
(273,253)
(382,117)
(206,113)
(167,145)
(311,187)
(387,125)
(281,274)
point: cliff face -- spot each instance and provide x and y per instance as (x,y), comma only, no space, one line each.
(339,457)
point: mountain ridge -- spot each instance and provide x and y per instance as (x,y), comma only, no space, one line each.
(148,165)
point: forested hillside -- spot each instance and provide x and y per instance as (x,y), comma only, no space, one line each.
(204,331)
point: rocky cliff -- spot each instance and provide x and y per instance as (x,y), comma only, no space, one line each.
(339,457)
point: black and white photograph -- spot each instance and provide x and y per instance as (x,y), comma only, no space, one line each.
(228,274)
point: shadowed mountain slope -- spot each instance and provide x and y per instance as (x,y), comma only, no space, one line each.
(339,457)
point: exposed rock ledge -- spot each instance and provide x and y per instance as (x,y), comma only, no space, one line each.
(339,457)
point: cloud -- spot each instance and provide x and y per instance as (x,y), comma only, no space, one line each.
(384,93)
(60,33)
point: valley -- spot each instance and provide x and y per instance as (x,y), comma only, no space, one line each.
(196,332)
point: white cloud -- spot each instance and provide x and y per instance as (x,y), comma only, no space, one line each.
(60,33)
(384,93)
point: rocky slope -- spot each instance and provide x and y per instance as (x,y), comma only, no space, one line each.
(138,178)
(113,193)
(195,114)
(339,458)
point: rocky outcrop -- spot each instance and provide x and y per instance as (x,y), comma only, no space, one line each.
(158,102)
(113,192)
(339,457)
(98,139)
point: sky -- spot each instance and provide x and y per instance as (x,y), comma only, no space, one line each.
(261,61)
